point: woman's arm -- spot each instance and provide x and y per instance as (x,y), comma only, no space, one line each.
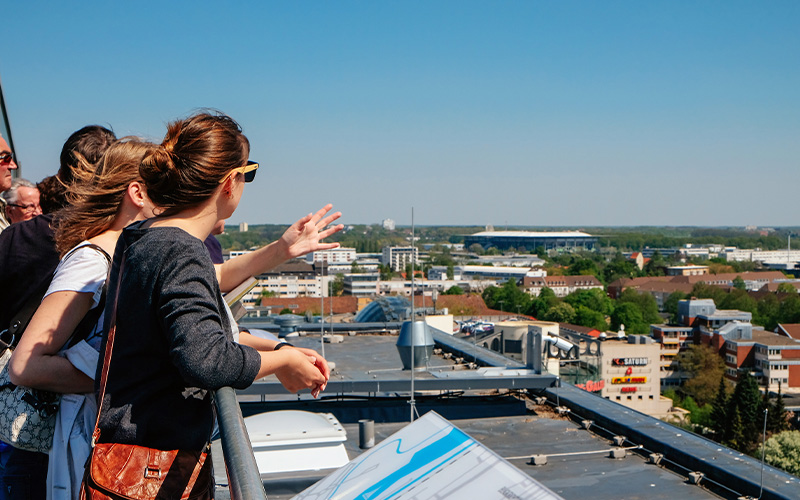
(266,345)
(35,362)
(295,369)
(302,237)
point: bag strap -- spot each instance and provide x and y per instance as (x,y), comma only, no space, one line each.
(109,346)
(89,321)
(10,337)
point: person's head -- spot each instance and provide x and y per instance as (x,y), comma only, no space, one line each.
(113,192)
(22,201)
(196,162)
(51,194)
(7,164)
(82,150)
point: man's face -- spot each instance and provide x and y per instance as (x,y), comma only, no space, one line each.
(26,207)
(7,164)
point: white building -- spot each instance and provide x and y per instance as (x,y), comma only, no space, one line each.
(399,257)
(766,256)
(339,255)
(361,285)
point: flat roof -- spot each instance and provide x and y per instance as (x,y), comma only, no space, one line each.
(533,234)
(508,419)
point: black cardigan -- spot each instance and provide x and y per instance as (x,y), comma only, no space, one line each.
(173,343)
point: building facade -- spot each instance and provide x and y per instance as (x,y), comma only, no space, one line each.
(398,258)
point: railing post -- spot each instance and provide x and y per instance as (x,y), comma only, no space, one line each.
(244,480)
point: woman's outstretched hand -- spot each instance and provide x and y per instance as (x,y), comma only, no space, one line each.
(306,235)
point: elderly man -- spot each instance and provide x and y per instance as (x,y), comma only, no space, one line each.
(7,164)
(22,201)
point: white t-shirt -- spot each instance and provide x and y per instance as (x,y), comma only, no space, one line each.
(83,270)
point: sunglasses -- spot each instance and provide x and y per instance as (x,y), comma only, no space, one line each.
(249,171)
(6,157)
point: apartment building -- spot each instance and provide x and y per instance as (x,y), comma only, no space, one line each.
(398,258)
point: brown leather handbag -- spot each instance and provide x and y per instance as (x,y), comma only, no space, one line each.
(117,471)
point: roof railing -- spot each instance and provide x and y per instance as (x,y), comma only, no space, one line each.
(244,480)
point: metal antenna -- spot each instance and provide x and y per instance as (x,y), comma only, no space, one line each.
(413,403)
(763,451)
(322,306)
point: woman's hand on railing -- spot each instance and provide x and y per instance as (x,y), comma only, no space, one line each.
(298,370)
(321,364)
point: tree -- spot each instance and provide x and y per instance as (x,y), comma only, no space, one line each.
(286,310)
(719,410)
(789,310)
(705,369)
(267,293)
(783,451)
(355,268)
(740,300)
(560,313)
(619,267)
(588,317)
(786,288)
(583,267)
(337,285)
(739,283)
(476,248)
(629,315)
(745,404)
(645,302)
(776,418)
(538,306)
(454,290)
(386,272)
(767,312)
(594,299)
(671,305)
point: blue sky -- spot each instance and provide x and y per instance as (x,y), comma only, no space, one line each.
(522,113)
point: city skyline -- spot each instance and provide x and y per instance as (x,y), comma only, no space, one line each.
(521,114)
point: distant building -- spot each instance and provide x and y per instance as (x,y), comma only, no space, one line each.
(752,280)
(527,240)
(398,258)
(687,270)
(765,256)
(243,228)
(361,285)
(341,255)
(773,358)
(639,259)
(388,224)
(561,285)
(621,370)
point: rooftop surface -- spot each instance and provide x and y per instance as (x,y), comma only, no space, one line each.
(368,383)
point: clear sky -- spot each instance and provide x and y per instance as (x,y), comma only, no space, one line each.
(504,112)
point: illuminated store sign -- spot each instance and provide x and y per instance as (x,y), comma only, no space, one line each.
(592,386)
(629,380)
(630,361)
(628,389)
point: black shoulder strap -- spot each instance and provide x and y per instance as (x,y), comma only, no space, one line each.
(89,321)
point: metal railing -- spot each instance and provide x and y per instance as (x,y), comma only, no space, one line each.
(244,479)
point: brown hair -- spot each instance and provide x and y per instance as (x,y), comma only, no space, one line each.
(197,153)
(96,198)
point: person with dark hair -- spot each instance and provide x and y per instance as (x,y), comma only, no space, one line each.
(29,259)
(54,354)
(7,164)
(169,309)
(52,194)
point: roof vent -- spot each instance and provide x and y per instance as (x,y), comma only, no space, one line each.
(418,334)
